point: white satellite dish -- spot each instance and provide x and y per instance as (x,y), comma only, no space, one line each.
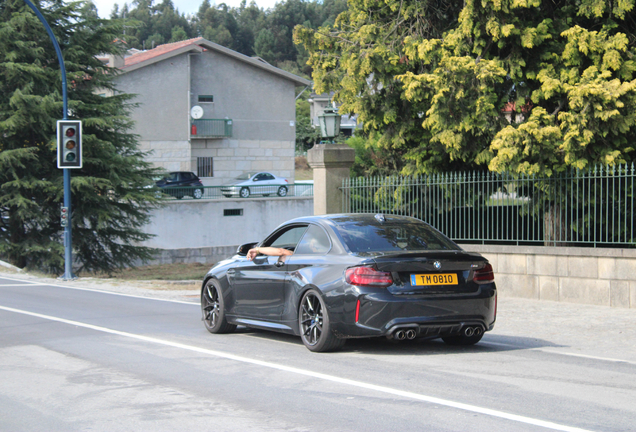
(196,112)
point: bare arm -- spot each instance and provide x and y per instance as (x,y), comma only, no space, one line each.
(272,251)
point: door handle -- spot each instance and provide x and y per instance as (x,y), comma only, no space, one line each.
(279,263)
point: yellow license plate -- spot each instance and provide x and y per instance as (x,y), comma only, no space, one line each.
(434,279)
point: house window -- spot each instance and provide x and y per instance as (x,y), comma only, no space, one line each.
(205,167)
(206,98)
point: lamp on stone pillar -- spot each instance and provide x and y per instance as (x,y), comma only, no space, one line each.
(330,163)
(329,124)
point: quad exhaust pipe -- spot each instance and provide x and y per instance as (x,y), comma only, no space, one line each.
(472,331)
(401,334)
(410,333)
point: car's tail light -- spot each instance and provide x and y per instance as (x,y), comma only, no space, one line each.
(367,276)
(484,275)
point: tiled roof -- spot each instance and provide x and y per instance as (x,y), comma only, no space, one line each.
(160,50)
(200,44)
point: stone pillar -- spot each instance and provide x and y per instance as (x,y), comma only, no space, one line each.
(331,163)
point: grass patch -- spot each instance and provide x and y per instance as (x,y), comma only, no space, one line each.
(167,272)
(303,170)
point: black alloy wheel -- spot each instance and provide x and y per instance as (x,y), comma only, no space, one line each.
(213,310)
(313,320)
(245,192)
(282,191)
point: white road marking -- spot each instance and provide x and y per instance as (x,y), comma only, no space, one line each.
(552,351)
(483,342)
(321,376)
(97,290)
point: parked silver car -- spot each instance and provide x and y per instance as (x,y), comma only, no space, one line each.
(255,183)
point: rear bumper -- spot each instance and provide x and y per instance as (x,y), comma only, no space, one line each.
(382,313)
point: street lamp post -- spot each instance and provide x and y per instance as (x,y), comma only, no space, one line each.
(329,124)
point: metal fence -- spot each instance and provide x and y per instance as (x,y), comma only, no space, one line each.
(219,192)
(583,208)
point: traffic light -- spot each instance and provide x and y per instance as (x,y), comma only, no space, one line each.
(69,144)
(64,217)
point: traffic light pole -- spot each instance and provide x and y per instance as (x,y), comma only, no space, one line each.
(68,245)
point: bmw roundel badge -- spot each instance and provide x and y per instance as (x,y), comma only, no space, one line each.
(437,265)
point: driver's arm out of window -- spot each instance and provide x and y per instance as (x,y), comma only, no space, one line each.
(272,251)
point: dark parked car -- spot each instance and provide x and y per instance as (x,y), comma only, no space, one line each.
(352,276)
(181,183)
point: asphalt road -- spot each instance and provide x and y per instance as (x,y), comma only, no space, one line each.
(84,359)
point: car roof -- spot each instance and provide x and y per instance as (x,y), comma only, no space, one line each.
(342,218)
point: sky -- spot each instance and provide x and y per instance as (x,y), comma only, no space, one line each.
(104,7)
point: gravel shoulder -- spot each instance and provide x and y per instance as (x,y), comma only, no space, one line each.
(168,290)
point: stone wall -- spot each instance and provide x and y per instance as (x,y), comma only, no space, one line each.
(598,276)
(234,157)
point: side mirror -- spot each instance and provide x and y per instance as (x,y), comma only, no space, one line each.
(244,248)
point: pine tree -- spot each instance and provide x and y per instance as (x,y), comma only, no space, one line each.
(111,199)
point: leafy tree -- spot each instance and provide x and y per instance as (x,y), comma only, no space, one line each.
(370,159)
(306,134)
(178,34)
(218,24)
(431,80)
(154,40)
(110,200)
(147,22)
(264,45)
(567,66)
(360,58)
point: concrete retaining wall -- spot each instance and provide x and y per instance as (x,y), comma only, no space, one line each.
(596,276)
(191,230)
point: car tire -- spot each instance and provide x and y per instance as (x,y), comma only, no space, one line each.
(213,309)
(314,325)
(245,192)
(282,191)
(197,194)
(462,339)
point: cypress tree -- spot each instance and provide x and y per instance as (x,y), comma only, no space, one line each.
(112,193)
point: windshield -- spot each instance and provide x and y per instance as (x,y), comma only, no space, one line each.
(396,236)
(245,176)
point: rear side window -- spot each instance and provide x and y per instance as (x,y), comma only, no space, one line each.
(314,242)
(287,239)
(387,237)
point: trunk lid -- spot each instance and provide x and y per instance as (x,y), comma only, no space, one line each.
(431,272)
